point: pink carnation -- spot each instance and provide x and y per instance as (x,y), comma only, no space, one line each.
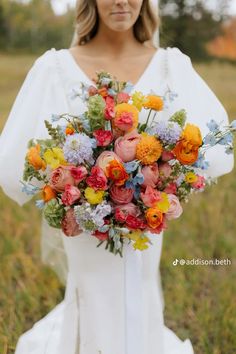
(151,196)
(199,183)
(109,111)
(97,179)
(122,97)
(78,173)
(103,137)
(124,121)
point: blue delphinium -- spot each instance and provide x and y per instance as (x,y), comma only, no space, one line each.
(201,162)
(213,126)
(29,188)
(78,148)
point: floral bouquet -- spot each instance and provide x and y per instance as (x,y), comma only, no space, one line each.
(109,174)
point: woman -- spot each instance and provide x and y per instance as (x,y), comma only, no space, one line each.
(112,305)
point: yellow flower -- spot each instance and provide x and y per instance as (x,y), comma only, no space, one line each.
(163,205)
(138,99)
(153,102)
(192,136)
(140,239)
(190,177)
(92,196)
(149,149)
(54,157)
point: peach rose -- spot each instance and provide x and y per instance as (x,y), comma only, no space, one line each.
(125,146)
(121,195)
(105,158)
(150,196)
(175,209)
(60,177)
(151,175)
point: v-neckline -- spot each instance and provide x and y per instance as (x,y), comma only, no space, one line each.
(86,77)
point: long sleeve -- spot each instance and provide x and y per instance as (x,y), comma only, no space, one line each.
(201,104)
(40,95)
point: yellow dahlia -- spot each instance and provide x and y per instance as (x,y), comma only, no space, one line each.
(140,240)
(149,149)
(153,102)
(92,196)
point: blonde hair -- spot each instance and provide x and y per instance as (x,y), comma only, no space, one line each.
(87,19)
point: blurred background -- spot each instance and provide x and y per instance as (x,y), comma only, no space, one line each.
(199,300)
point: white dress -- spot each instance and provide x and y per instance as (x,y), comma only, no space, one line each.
(112,305)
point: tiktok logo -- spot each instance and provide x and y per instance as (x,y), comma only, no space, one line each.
(175,262)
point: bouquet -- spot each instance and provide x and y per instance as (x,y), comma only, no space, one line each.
(107,173)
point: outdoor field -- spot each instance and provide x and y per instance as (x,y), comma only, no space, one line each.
(199,300)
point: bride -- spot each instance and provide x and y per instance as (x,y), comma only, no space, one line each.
(112,305)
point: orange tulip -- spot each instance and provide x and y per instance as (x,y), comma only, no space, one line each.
(48,193)
(34,158)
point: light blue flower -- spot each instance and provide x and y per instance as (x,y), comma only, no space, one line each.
(233,124)
(40,203)
(78,148)
(55,117)
(213,126)
(201,162)
(128,87)
(111,92)
(210,139)
(29,188)
(227,139)
(131,166)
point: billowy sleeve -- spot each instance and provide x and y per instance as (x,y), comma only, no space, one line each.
(40,96)
(201,104)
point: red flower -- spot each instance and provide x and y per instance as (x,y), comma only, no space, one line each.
(97,179)
(122,97)
(109,111)
(133,223)
(102,236)
(103,137)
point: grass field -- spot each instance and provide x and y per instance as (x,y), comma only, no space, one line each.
(199,300)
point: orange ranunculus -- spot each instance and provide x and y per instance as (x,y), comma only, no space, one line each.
(103,92)
(48,193)
(34,158)
(154,217)
(185,155)
(148,149)
(116,172)
(153,102)
(191,136)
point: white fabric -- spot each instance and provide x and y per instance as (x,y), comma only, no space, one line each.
(112,305)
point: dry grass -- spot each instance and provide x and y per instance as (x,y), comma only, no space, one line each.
(199,299)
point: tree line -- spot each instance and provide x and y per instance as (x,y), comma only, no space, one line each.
(34,27)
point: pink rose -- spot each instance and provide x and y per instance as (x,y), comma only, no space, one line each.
(97,179)
(121,195)
(60,177)
(122,97)
(175,209)
(167,155)
(164,170)
(69,224)
(124,121)
(103,137)
(150,196)
(70,194)
(105,158)
(125,146)
(78,173)
(122,211)
(109,111)
(151,175)
(171,188)
(199,183)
